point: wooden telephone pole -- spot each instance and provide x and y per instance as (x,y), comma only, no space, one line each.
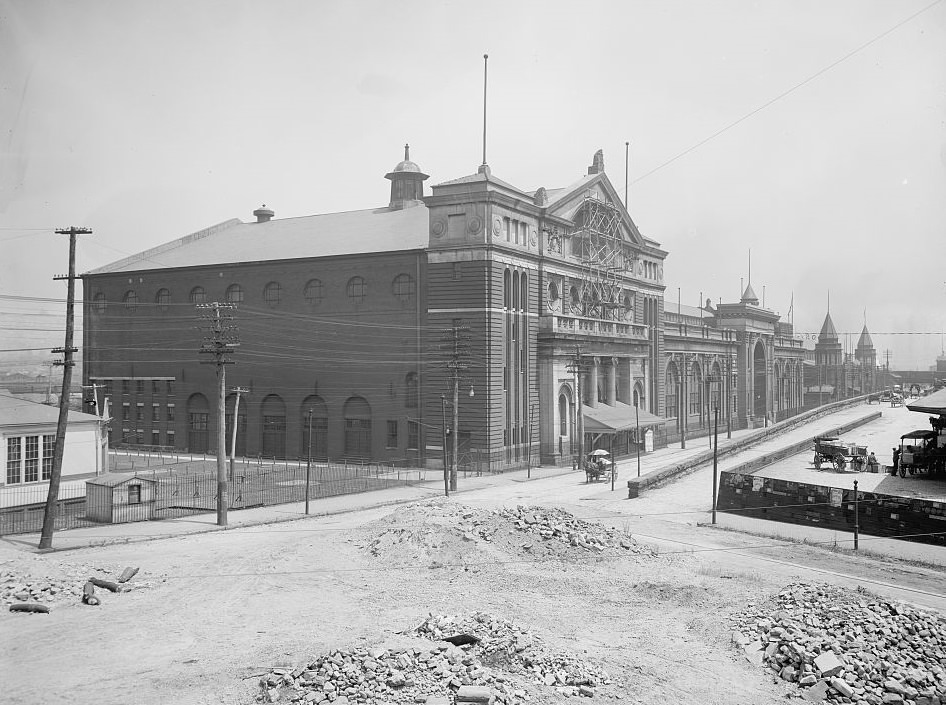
(220,343)
(52,497)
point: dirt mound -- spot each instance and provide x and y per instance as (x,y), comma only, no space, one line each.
(440,534)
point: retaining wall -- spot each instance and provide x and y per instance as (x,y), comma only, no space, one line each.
(658,478)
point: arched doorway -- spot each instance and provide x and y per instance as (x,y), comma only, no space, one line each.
(760,393)
(198,424)
(671,392)
(273,427)
(319,428)
(696,400)
(357,428)
(564,440)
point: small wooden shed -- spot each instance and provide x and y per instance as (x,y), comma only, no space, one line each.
(116,498)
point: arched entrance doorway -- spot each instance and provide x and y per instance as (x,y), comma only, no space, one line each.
(759,391)
(273,427)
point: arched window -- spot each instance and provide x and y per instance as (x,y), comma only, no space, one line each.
(404,288)
(357,428)
(235,294)
(198,424)
(564,414)
(552,290)
(575,296)
(98,303)
(313,292)
(272,294)
(163,300)
(357,289)
(507,289)
(130,299)
(672,388)
(515,291)
(315,427)
(197,295)
(274,427)
(524,292)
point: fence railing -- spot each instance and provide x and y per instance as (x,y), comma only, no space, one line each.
(182,489)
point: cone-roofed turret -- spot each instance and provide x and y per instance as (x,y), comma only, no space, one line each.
(749,297)
(865,341)
(828,331)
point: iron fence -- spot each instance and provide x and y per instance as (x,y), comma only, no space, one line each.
(190,487)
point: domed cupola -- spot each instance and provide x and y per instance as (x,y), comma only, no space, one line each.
(407,183)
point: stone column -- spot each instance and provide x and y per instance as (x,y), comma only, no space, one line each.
(593,382)
(612,389)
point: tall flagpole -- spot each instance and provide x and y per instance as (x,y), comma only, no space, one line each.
(485,60)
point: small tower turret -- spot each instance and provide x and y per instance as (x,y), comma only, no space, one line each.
(407,183)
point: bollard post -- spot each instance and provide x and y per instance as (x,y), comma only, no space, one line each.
(856,517)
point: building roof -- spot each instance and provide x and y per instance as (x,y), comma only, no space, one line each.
(117,478)
(828,331)
(349,232)
(865,340)
(16,411)
(935,403)
(620,417)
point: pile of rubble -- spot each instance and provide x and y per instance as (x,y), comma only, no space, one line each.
(554,524)
(475,659)
(50,583)
(847,646)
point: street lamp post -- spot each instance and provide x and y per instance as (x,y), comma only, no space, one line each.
(308,461)
(637,422)
(443,431)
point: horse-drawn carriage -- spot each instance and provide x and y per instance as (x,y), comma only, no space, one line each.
(599,466)
(831,449)
(919,453)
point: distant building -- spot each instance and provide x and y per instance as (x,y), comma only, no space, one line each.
(357,329)
(837,374)
(28,443)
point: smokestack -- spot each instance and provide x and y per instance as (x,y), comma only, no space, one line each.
(263,214)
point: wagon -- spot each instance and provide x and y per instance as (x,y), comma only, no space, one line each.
(919,453)
(831,449)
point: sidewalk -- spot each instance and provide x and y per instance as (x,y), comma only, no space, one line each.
(200,523)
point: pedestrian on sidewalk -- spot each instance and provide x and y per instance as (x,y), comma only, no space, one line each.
(896,461)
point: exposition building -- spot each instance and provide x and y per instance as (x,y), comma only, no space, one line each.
(535,318)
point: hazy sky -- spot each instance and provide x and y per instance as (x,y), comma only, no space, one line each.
(146,121)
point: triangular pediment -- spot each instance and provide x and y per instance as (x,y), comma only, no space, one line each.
(567,203)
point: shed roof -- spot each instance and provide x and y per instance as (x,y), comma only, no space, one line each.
(620,417)
(17,411)
(115,478)
(935,403)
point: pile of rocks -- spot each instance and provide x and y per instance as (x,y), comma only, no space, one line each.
(492,661)
(847,646)
(51,583)
(501,642)
(554,524)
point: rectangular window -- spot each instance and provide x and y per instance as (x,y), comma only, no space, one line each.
(155,413)
(139,387)
(413,435)
(31,466)
(392,435)
(155,438)
(170,388)
(155,387)
(134,494)
(139,412)
(170,437)
(506,224)
(49,451)
(170,413)
(126,411)
(457,272)
(14,450)
(126,387)
(107,388)
(139,437)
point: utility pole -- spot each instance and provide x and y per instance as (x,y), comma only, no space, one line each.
(52,496)
(308,462)
(236,423)
(443,432)
(220,343)
(456,362)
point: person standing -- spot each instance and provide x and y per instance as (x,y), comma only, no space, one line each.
(896,461)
